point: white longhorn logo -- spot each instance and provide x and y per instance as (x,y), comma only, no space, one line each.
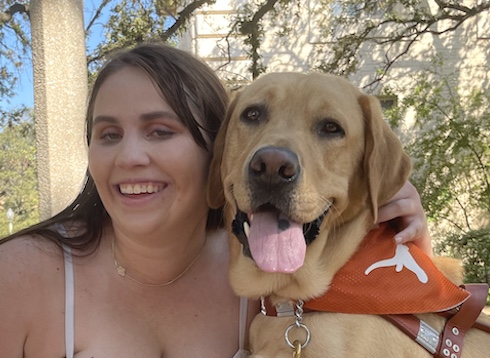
(402,258)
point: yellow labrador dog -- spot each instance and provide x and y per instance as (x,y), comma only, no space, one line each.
(301,164)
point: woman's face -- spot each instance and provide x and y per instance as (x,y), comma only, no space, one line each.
(149,171)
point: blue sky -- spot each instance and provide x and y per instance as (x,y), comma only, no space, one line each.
(24,88)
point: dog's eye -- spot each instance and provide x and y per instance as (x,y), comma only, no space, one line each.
(329,128)
(252,114)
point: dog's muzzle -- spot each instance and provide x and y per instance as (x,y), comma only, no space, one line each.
(273,241)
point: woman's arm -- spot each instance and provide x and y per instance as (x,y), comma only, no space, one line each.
(407,207)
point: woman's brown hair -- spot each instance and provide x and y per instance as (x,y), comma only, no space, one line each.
(188,85)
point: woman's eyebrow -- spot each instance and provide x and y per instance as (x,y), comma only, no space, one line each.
(159,114)
(144,117)
(103,118)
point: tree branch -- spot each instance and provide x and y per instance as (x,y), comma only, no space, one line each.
(444,5)
(97,14)
(6,16)
(183,17)
(412,29)
(251,29)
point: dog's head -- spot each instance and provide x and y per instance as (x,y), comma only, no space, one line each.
(301,155)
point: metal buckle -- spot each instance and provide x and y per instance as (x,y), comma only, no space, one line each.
(427,337)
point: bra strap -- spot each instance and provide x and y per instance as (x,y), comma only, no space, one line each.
(242,328)
(69,303)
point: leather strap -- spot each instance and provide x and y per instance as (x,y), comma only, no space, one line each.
(447,345)
(451,343)
(417,330)
(482,326)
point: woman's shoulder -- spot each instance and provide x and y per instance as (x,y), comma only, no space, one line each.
(31,274)
(32,288)
(31,250)
(28,245)
(28,258)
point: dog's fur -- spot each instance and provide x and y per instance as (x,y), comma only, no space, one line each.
(348,163)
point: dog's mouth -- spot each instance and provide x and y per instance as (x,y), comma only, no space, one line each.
(274,241)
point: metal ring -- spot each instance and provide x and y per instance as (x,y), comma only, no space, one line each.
(295,325)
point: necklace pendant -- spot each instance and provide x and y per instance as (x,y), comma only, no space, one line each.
(121,271)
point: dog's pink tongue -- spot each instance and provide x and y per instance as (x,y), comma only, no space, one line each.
(276,243)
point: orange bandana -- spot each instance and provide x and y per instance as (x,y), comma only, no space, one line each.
(385,278)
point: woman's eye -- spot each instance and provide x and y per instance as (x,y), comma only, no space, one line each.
(110,136)
(161,133)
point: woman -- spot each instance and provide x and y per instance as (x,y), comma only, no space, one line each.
(144,265)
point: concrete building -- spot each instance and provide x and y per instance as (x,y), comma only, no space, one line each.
(301,46)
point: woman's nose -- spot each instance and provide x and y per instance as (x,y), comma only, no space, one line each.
(132,151)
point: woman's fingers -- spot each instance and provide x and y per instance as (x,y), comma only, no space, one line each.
(407,208)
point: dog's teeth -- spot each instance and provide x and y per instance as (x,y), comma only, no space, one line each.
(246,229)
(251,217)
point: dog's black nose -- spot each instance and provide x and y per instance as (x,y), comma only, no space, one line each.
(274,166)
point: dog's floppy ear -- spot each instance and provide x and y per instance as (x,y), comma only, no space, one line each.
(386,164)
(215,194)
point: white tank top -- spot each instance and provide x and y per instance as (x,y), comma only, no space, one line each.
(70,310)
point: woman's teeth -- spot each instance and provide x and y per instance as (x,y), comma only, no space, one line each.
(139,188)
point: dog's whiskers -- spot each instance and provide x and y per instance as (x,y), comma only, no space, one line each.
(327,204)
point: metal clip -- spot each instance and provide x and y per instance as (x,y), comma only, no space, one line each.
(295,325)
(284,309)
(263,310)
(299,317)
(428,337)
(297,349)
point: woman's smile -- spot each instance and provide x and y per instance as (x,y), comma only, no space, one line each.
(140,188)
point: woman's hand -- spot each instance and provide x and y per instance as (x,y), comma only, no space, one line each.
(407,207)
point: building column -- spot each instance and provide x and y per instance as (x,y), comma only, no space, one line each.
(60,95)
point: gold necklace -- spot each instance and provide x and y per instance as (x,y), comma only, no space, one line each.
(121,271)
